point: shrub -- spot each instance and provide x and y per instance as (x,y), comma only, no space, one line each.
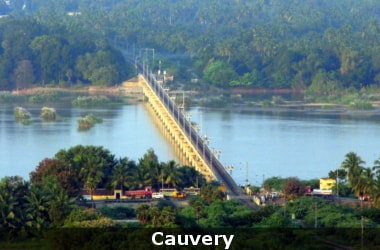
(84,101)
(48,114)
(88,121)
(20,113)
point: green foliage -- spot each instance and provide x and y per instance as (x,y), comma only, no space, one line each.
(219,73)
(48,114)
(274,183)
(7,97)
(210,193)
(361,105)
(44,97)
(117,213)
(86,101)
(21,113)
(50,53)
(87,218)
(88,121)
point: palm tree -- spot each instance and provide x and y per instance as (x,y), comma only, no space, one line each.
(376,192)
(122,173)
(171,173)
(353,164)
(149,170)
(92,173)
(365,183)
(12,192)
(376,167)
(142,213)
(36,209)
(141,178)
(8,210)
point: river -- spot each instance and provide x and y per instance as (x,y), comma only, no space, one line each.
(257,144)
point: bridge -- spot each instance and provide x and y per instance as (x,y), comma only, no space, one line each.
(181,132)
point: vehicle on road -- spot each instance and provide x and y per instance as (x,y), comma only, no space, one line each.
(157,195)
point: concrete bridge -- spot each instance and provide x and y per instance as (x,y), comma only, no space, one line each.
(186,138)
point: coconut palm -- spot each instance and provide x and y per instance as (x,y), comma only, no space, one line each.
(12,192)
(353,164)
(143,213)
(122,173)
(365,183)
(376,167)
(141,178)
(171,173)
(150,165)
(376,192)
(92,172)
(36,209)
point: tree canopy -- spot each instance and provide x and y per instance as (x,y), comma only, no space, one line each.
(263,44)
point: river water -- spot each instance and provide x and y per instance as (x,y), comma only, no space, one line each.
(257,144)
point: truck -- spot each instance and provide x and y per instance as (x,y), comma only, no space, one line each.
(179,195)
(157,195)
(139,194)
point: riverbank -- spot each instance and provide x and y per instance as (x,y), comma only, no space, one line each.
(131,93)
(309,109)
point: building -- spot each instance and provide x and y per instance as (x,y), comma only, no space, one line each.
(326,183)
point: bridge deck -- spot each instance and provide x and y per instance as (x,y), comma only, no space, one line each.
(186,137)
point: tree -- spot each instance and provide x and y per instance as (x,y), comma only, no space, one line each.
(23,74)
(65,174)
(100,68)
(92,173)
(142,213)
(210,193)
(122,173)
(12,198)
(149,170)
(353,165)
(293,188)
(171,173)
(219,73)
(58,201)
(274,184)
(198,207)
(37,209)
(190,177)
(78,158)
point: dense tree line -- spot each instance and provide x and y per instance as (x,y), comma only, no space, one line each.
(322,46)
(48,198)
(92,167)
(29,209)
(33,54)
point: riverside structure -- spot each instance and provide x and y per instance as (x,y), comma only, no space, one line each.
(183,135)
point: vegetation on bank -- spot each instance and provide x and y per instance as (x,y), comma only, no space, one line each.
(88,121)
(53,54)
(321,47)
(46,202)
(86,101)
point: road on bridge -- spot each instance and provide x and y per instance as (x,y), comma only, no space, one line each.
(233,190)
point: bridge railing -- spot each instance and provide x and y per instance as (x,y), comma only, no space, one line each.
(198,142)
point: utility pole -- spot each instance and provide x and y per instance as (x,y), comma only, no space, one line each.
(246,177)
(337,185)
